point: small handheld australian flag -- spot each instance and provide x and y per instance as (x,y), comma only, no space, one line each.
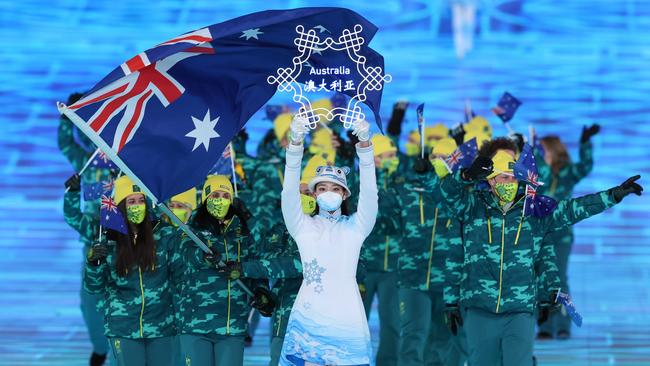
(463,156)
(565,300)
(506,107)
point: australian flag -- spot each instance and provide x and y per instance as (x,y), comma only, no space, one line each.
(565,300)
(525,168)
(463,156)
(102,161)
(165,115)
(110,217)
(506,107)
(93,191)
(224,164)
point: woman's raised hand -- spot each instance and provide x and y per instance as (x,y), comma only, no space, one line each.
(298,129)
(362,130)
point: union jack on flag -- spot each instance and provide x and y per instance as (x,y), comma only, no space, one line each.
(525,168)
(110,217)
(463,156)
(537,205)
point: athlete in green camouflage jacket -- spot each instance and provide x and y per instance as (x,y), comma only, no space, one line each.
(560,176)
(502,257)
(77,152)
(213,312)
(426,231)
(133,271)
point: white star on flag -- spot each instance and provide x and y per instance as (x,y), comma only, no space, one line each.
(203,131)
(251,33)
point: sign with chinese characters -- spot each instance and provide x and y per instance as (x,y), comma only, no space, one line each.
(343,65)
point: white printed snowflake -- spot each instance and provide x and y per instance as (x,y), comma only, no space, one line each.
(318,289)
(311,272)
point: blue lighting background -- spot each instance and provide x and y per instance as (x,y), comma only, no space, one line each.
(572,63)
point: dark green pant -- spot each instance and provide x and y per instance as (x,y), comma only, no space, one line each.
(425,338)
(209,350)
(499,339)
(143,352)
(384,285)
(562,240)
(276,350)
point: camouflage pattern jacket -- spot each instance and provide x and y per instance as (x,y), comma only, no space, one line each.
(425,234)
(501,252)
(280,262)
(210,303)
(381,248)
(560,186)
(78,155)
(138,305)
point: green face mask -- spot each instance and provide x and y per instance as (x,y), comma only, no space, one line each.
(308,204)
(218,207)
(135,214)
(440,168)
(182,214)
(390,165)
(506,191)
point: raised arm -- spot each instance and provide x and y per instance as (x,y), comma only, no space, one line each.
(85,224)
(368,199)
(292,213)
(291,209)
(75,154)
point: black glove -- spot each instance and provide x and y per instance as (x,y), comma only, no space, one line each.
(453,319)
(589,132)
(627,187)
(545,308)
(422,165)
(458,134)
(519,140)
(264,301)
(73,184)
(241,210)
(97,254)
(396,118)
(480,169)
(232,270)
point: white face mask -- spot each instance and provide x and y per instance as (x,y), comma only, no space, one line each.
(329,201)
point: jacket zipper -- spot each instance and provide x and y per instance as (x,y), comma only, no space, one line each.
(142,309)
(433,239)
(503,237)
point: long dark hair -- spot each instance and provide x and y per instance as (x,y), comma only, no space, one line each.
(204,221)
(559,155)
(132,250)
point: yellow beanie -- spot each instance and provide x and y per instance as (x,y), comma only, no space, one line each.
(188,197)
(436,131)
(281,125)
(382,144)
(215,183)
(481,137)
(503,163)
(124,187)
(444,146)
(479,124)
(309,172)
(319,106)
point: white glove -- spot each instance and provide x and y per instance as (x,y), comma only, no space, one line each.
(362,130)
(298,129)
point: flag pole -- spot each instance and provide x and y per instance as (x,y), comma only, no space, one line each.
(92,157)
(79,122)
(232,166)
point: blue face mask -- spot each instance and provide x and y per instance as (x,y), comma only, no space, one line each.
(329,201)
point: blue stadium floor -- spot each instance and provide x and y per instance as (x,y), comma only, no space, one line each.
(574,63)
